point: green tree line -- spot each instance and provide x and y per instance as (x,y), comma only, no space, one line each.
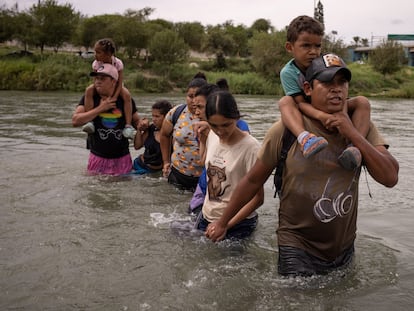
(164,47)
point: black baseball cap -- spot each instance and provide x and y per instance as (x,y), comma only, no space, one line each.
(325,67)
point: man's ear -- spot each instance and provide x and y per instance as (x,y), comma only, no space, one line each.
(307,88)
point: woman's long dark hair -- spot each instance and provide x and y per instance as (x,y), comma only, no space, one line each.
(223,103)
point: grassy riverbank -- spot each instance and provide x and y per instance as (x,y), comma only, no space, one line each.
(69,72)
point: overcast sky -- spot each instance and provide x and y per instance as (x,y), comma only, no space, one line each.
(369,19)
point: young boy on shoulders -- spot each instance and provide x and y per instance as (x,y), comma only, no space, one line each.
(304,42)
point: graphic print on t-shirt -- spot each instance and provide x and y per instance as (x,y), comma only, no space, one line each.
(332,205)
(110,121)
(216,176)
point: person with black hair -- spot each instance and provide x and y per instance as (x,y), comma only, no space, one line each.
(304,42)
(319,198)
(148,135)
(202,94)
(230,153)
(179,145)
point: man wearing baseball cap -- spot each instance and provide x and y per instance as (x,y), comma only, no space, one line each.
(325,67)
(319,197)
(109,149)
(106,70)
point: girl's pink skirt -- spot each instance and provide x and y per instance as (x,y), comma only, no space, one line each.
(118,166)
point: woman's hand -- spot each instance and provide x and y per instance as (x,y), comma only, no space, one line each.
(215,231)
(143,124)
(201,130)
(166,169)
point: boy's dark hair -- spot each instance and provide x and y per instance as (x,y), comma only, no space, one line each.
(223,103)
(303,23)
(107,45)
(163,106)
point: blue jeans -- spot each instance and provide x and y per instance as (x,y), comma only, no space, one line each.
(240,231)
(141,168)
(297,262)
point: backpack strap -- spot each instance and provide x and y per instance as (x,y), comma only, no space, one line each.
(177,113)
(287,141)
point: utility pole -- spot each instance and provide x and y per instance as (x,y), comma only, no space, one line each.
(318,13)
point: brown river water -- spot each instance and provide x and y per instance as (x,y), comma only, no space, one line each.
(74,242)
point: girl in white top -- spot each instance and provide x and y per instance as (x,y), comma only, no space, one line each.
(229,155)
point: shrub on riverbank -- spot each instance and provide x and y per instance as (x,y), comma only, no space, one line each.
(246,83)
(69,72)
(366,81)
(51,73)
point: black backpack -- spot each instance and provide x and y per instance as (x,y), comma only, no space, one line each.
(287,141)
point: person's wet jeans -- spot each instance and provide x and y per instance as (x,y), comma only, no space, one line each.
(182,181)
(296,262)
(240,231)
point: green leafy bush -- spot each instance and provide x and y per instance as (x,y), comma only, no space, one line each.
(152,84)
(69,72)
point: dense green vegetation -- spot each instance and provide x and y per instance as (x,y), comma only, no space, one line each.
(70,72)
(159,55)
